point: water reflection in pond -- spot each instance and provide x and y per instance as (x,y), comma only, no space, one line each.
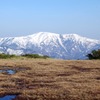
(8,97)
(8,71)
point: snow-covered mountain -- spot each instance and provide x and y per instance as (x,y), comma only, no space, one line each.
(63,46)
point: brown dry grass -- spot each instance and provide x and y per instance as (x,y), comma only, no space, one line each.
(47,79)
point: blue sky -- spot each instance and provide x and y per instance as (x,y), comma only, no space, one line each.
(24,17)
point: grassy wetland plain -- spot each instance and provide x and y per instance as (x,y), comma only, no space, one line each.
(50,79)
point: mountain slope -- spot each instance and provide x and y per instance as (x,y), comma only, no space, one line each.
(63,46)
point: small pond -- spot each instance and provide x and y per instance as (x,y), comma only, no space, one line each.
(8,71)
(8,97)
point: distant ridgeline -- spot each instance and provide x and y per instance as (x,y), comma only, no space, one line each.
(59,46)
(5,56)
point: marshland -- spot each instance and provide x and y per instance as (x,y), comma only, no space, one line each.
(50,79)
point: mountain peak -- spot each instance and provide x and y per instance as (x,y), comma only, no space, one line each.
(63,46)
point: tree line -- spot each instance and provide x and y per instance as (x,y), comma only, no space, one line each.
(6,56)
(95,54)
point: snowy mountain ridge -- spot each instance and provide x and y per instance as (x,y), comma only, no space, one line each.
(62,46)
